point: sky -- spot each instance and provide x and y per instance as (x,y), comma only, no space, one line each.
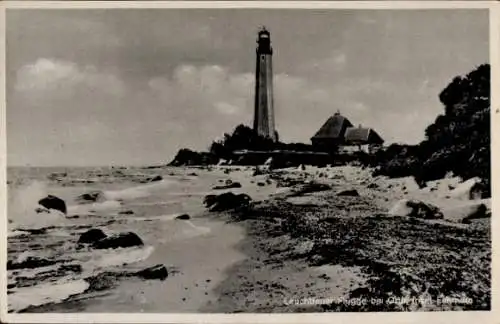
(129,86)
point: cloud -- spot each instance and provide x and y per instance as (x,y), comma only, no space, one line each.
(206,90)
(49,76)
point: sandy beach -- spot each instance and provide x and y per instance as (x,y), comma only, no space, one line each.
(295,249)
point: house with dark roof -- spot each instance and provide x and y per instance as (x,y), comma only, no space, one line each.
(338,132)
(331,135)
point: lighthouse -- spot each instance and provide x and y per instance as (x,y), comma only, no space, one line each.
(264,102)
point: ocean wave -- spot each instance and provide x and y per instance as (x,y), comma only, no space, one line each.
(45,293)
(100,260)
(136,191)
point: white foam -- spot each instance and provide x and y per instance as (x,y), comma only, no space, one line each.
(105,206)
(137,191)
(23,204)
(16,233)
(102,259)
(45,293)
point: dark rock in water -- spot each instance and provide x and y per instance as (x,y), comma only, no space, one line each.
(351,193)
(127,239)
(77,268)
(30,262)
(102,281)
(90,197)
(226,201)
(228,186)
(158,271)
(157,178)
(183,216)
(91,236)
(53,202)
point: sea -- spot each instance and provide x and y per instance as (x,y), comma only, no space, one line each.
(131,202)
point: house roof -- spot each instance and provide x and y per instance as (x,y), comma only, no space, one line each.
(333,127)
(362,135)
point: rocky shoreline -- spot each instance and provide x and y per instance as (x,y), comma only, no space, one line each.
(347,253)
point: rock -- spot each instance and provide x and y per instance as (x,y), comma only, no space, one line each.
(226,201)
(77,268)
(257,171)
(183,217)
(127,239)
(231,185)
(192,174)
(470,190)
(126,212)
(466,212)
(350,193)
(29,262)
(102,281)
(261,184)
(415,208)
(158,271)
(90,197)
(91,236)
(53,202)
(156,178)
(301,167)
(372,185)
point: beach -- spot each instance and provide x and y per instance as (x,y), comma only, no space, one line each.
(298,247)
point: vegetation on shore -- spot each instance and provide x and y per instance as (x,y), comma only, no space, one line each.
(458,141)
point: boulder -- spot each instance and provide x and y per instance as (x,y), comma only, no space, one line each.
(466,212)
(183,217)
(120,240)
(257,171)
(415,208)
(91,197)
(269,161)
(158,271)
(53,202)
(156,178)
(226,201)
(469,190)
(229,185)
(350,193)
(261,184)
(91,236)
